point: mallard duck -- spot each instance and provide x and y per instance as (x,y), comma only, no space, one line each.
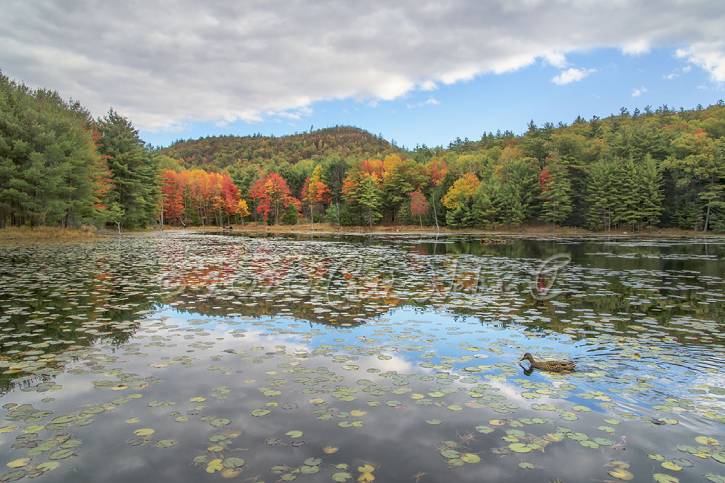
(551,366)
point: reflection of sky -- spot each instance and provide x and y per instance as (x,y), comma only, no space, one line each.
(444,338)
(397,440)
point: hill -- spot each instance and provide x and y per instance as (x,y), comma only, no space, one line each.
(215,152)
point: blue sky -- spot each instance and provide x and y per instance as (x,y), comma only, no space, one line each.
(498,101)
(416,71)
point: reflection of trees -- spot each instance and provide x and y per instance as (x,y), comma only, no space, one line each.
(86,295)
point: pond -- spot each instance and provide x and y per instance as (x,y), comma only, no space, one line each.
(202,357)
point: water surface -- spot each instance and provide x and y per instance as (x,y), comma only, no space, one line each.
(189,357)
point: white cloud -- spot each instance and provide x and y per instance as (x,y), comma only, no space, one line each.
(639,91)
(636,47)
(556,59)
(570,75)
(431,101)
(164,64)
(708,55)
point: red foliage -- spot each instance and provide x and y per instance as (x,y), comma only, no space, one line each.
(230,195)
(315,191)
(374,168)
(418,204)
(173,185)
(437,170)
(197,191)
(544,178)
(272,196)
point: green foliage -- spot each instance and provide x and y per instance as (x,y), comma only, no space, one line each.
(664,168)
(601,197)
(622,193)
(134,170)
(290,216)
(369,198)
(48,161)
(556,204)
(517,188)
(223,151)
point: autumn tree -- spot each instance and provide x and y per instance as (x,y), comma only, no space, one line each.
(272,196)
(173,187)
(315,192)
(243,209)
(418,205)
(437,170)
(459,200)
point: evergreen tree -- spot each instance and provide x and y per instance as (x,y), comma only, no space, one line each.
(624,186)
(370,199)
(601,199)
(517,182)
(134,170)
(555,196)
(483,209)
(649,187)
(47,159)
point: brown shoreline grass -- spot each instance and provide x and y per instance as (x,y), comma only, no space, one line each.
(56,234)
(523,231)
(46,234)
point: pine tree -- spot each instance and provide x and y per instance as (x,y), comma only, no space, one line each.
(600,197)
(625,189)
(483,209)
(134,170)
(555,195)
(47,159)
(370,198)
(517,190)
(649,186)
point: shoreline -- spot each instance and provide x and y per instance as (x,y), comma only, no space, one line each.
(326,229)
(60,235)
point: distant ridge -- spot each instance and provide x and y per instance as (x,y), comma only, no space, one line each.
(223,151)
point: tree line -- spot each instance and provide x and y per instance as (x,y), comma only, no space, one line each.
(655,168)
(61,167)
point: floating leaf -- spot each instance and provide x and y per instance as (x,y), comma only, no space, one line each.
(671,465)
(665,478)
(18,463)
(519,448)
(214,465)
(621,474)
(165,443)
(470,458)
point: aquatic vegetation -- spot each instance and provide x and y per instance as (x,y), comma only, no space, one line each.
(289,359)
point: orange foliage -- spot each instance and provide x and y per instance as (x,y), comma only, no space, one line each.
(272,195)
(200,192)
(437,170)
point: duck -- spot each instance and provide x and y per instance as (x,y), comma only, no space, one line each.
(550,366)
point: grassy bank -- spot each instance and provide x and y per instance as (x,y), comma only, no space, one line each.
(47,234)
(59,235)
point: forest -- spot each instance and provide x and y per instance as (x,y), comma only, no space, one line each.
(60,166)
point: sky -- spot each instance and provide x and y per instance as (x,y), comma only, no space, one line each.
(415,71)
